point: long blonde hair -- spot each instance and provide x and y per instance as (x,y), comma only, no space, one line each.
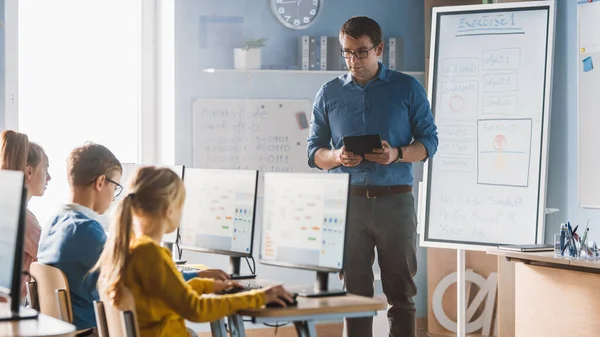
(14,147)
(152,191)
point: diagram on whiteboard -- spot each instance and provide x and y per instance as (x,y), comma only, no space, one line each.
(459,100)
(503,151)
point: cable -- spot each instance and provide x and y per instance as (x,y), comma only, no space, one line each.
(179,250)
(276,325)
(253,268)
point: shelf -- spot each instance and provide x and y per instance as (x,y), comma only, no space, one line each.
(286,71)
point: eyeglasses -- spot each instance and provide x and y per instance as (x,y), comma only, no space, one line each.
(118,187)
(359,54)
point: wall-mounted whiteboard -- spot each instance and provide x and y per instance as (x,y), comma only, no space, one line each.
(490,85)
(251,134)
(589,116)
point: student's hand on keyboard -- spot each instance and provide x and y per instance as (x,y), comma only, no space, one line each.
(277,294)
(215,274)
(220,286)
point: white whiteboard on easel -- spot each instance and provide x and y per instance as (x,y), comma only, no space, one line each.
(588,76)
(251,134)
(490,86)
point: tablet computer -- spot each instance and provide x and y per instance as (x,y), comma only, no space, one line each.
(361,145)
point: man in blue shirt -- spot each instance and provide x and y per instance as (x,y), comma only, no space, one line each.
(371,99)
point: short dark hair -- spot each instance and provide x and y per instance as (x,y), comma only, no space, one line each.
(358,26)
(90,161)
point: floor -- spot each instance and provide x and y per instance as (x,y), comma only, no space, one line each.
(323,330)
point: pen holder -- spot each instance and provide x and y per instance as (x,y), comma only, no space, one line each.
(567,246)
(589,250)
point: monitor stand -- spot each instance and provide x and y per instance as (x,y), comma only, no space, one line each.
(7,314)
(320,289)
(234,266)
(169,246)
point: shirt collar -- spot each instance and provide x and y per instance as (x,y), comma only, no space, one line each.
(382,74)
(90,213)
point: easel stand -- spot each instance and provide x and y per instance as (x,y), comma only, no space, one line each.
(461,289)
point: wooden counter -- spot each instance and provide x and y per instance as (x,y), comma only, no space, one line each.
(547,296)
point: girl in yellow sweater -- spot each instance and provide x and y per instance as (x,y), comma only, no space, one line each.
(133,260)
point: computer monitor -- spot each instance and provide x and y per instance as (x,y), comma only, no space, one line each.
(219,213)
(304,224)
(13,200)
(129,170)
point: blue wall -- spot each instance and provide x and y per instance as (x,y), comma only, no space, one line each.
(563,154)
(562,172)
(397,18)
(2,72)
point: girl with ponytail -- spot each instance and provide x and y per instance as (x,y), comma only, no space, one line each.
(134,262)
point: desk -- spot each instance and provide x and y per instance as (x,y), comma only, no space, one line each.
(552,296)
(42,326)
(308,312)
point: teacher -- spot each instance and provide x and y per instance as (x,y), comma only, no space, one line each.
(371,99)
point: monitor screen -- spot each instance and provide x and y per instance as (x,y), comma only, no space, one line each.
(218,215)
(304,220)
(129,170)
(10,211)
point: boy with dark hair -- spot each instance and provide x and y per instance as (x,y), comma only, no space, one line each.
(74,239)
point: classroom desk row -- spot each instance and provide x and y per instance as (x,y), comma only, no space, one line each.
(304,315)
(543,295)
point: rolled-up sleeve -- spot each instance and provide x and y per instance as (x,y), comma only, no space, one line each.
(320,133)
(421,118)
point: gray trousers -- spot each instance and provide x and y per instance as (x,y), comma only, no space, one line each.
(390,225)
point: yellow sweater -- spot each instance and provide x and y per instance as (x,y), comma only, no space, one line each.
(164,300)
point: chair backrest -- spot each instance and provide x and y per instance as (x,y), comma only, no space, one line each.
(101,324)
(121,321)
(53,291)
(32,295)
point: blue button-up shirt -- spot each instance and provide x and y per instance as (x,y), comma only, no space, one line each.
(393,105)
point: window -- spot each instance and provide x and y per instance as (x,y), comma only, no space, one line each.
(79,80)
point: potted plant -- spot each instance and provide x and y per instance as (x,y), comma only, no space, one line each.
(248,57)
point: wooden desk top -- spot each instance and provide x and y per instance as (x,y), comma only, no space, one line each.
(42,326)
(548,259)
(321,305)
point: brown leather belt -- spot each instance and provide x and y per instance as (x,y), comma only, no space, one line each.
(372,192)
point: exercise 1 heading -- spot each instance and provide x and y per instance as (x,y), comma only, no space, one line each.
(488,21)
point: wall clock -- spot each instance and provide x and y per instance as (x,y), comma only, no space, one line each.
(296,14)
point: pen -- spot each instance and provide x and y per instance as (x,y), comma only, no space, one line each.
(563,234)
(570,239)
(585,233)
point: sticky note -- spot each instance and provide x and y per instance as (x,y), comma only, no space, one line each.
(588,65)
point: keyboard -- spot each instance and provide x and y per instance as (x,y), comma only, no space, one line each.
(183,267)
(246,287)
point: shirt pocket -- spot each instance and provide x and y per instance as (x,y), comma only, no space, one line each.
(345,119)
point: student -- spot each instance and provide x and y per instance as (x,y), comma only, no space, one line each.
(36,180)
(17,153)
(74,239)
(162,299)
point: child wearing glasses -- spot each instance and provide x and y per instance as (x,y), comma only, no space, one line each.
(74,239)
